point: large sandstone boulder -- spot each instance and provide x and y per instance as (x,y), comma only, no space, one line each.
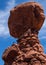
(25,16)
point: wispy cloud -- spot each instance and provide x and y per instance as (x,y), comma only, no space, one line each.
(4,14)
(3,30)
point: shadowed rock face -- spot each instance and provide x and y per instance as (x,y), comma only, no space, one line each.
(24,22)
(25,16)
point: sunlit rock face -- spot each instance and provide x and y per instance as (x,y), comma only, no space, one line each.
(25,16)
(24,23)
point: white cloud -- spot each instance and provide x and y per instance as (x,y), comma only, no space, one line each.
(4,14)
(3,30)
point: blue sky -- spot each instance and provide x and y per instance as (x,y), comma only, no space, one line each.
(5,38)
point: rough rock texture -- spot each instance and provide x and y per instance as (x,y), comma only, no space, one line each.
(25,16)
(28,51)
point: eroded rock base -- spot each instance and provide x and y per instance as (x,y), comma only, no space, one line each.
(28,51)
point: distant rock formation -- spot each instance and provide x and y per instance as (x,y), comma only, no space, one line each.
(24,23)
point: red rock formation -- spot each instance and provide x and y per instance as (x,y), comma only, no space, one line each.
(25,16)
(28,51)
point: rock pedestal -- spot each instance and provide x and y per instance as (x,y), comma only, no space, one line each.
(28,50)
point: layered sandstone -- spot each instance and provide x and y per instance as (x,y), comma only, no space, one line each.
(24,23)
(28,51)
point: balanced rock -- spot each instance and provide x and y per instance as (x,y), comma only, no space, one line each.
(25,16)
(24,23)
